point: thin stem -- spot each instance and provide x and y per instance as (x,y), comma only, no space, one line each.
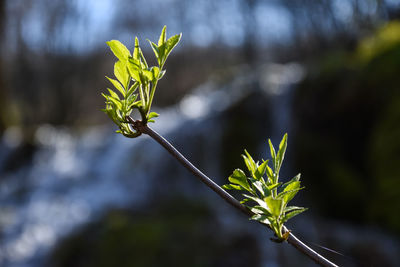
(210,183)
(292,239)
(153,90)
(142,97)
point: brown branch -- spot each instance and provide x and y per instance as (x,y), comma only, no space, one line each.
(293,240)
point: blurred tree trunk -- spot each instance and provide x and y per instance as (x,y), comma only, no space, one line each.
(2,84)
(250,27)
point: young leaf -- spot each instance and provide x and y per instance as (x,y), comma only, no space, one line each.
(238,177)
(106,97)
(281,152)
(116,102)
(119,50)
(248,160)
(256,199)
(113,94)
(143,60)
(260,188)
(290,191)
(294,179)
(117,85)
(231,187)
(244,200)
(262,219)
(272,151)
(292,208)
(131,98)
(273,186)
(135,104)
(260,210)
(121,73)
(134,70)
(171,43)
(291,214)
(163,36)
(152,115)
(275,206)
(136,50)
(132,88)
(155,50)
(156,73)
(110,113)
(270,174)
(260,171)
(149,75)
(161,74)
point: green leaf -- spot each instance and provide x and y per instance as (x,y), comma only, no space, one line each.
(134,69)
(117,85)
(272,151)
(149,76)
(260,171)
(119,50)
(135,63)
(231,187)
(281,152)
(293,213)
(163,36)
(121,73)
(260,210)
(132,88)
(113,94)
(270,174)
(143,60)
(136,50)
(273,186)
(292,186)
(153,115)
(131,98)
(260,188)
(105,96)
(171,43)
(155,50)
(290,191)
(248,160)
(275,206)
(291,208)
(119,115)
(156,73)
(134,104)
(161,74)
(238,177)
(110,113)
(262,219)
(244,200)
(161,55)
(116,102)
(256,199)
(294,179)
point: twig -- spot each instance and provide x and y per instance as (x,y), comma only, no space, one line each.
(293,240)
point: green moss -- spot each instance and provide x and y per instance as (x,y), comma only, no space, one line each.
(383,40)
(385,167)
(348,123)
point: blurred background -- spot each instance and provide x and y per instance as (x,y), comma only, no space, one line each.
(74,193)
